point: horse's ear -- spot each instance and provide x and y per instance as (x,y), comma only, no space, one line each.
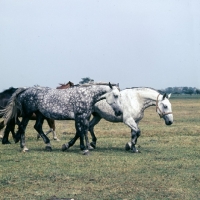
(164,96)
(117,85)
(110,85)
(169,95)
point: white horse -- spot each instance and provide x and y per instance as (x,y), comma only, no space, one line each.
(134,101)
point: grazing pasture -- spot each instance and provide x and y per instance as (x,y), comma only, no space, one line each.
(167,167)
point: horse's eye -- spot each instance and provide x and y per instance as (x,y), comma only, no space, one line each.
(116,96)
(165,106)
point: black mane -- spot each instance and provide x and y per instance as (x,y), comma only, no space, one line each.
(9,91)
(5,96)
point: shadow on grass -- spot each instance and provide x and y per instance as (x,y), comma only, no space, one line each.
(56,198)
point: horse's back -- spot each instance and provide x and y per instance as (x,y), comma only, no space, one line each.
(52,103)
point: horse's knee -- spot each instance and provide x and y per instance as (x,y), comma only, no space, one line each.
(138,133)
(134,136)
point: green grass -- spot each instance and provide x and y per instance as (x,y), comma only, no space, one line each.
(167,167)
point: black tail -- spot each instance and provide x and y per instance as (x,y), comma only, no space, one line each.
(13,107)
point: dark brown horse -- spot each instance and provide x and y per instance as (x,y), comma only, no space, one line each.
(4,99)
(65,85)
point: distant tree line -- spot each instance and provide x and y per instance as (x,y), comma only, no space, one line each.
(86,80)
(182,90)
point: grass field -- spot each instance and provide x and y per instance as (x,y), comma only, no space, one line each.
(167,167)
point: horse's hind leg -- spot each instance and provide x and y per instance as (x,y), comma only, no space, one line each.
(21,133)
(9,128)
(15,122)
(38,128)
(51,123)
(95,120)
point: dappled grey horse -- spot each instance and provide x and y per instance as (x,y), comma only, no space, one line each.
(75,103)
(133,103)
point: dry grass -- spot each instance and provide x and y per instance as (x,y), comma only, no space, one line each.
(167,168)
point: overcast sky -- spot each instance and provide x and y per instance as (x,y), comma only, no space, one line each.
(153,43)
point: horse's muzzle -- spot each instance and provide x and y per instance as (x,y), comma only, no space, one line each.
(169,123)
(118,113)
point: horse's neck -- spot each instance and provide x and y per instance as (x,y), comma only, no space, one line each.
(100,92)
(148,97)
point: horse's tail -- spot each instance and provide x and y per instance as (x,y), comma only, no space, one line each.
(13,107)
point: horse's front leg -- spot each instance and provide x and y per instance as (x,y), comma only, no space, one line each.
(135,133)
(88,144)
(134,136)
(70,143)
(95,120)
(81,124)
(38,128)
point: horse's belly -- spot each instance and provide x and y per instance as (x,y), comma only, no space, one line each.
(111,118)
(57,114)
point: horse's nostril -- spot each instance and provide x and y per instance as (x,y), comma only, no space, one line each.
(118,113)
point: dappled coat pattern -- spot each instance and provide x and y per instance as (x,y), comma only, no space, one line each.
(59,104)
(74,103)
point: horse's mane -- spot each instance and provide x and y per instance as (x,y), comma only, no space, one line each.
(9,90)
(144,88)
(97,83)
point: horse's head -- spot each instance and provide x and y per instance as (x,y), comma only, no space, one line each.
(65,85)
(164,109)
(113,99)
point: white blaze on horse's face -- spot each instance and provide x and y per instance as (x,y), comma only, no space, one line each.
(113,99)
(165,109)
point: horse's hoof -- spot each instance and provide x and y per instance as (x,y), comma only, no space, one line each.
(25,149)
(93,145)
(48,148)
(56,139)
(65,147)
(128,146)
(6,142)
(1,136)
(38,137)
(16,140)
(90,147)
(86,152)
(136,151)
